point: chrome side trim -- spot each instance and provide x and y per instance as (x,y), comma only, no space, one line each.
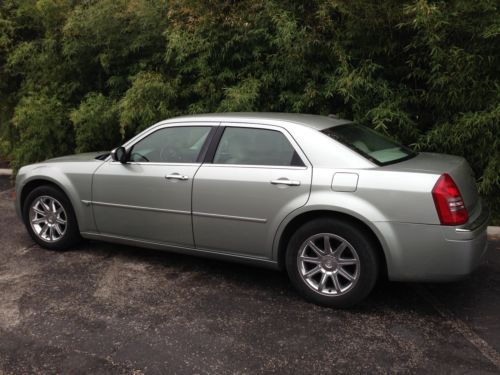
(230,217)
(104,204)
(204,214)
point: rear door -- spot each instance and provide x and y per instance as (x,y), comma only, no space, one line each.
(254,177)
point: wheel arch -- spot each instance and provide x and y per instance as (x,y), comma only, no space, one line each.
(34,183)
(294,223)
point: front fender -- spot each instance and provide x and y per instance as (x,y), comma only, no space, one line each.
(74,180)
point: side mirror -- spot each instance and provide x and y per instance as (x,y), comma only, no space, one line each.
(119,154)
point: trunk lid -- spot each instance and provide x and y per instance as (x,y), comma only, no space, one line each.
(456,166)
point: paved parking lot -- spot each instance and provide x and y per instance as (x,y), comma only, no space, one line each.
(103,308)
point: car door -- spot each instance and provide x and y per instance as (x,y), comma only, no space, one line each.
(149,197)
(256,177)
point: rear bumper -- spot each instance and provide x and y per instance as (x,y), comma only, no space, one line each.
(420,252)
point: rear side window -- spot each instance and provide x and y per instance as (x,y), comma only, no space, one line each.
(370,144)
(251,146)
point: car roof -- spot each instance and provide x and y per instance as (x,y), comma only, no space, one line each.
(286,120)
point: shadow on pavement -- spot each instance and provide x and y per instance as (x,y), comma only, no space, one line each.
(104,308)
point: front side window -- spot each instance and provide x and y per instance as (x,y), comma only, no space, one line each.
(369,143)
(251,146)
(171,145)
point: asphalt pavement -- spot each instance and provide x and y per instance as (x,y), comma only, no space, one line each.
(102,308)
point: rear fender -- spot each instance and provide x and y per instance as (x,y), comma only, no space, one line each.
(350,205)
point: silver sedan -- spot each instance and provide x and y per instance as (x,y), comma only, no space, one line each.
(335,204)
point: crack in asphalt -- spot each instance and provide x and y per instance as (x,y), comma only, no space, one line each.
(460,326)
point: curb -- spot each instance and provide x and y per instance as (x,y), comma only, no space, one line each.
(494,231)
(5,172)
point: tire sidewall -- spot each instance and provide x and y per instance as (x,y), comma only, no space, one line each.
(72,234)
(368,268)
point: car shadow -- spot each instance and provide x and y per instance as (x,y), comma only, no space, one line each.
(386,295)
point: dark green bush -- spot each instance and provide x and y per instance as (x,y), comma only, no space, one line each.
(147,101)
(426,72)
(44,130)
(96,123)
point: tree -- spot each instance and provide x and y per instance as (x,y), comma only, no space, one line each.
(425,72)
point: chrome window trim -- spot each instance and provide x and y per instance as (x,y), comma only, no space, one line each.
(246,124)
(277,128)
(157,163)
(160,126)
(137,138)
(213,165)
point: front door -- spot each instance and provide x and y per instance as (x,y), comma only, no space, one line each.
(149,198)
(258,176)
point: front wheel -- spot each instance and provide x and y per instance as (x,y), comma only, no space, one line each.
(50,219)
(332,262)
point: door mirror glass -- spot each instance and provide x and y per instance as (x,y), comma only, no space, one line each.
(119,154)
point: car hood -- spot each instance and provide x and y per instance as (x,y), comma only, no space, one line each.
(87,156)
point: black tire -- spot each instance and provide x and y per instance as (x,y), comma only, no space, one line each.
(364,248)
(71,235)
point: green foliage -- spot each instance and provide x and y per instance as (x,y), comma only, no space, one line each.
(111,40)
(147,101)
(424,71)
(44,128)
(96,123)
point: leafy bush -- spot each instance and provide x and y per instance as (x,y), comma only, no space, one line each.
(44,130)
(426,72)
(96,123)
(147,101)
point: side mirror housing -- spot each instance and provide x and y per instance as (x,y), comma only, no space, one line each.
(119,154)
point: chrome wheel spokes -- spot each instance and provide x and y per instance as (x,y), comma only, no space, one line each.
(48,218)
(328,264)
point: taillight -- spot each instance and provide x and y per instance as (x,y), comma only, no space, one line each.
(449,203)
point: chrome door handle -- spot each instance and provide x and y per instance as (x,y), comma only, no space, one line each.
(285,181)
(176,176)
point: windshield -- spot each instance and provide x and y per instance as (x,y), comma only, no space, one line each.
(370,144)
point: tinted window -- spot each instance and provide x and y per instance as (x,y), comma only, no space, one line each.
(252,146)
(369,143)
(171,145)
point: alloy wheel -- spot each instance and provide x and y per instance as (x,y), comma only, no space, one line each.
(328,264)
(48,218)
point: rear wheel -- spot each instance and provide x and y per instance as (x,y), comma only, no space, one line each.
(50,219)
(332,262)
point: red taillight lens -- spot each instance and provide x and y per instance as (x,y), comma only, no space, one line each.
(449,203)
